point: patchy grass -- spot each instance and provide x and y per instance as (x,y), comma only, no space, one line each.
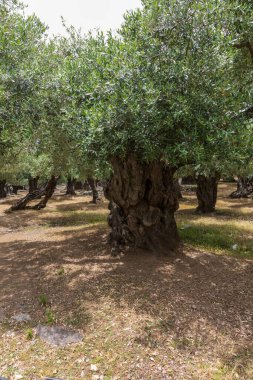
(219,238)
(141,316)
(228,231)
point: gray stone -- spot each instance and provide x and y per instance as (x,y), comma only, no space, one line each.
(21,318)
(58,336)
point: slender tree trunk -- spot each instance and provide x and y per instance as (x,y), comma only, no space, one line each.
(33,184)
(3,192)
(244,188)
(46,191)
(92,183)
(207,188)
(143,200)
(70,190)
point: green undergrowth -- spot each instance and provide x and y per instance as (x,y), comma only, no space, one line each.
(223,239)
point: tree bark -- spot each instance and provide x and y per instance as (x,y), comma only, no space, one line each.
(207,188)
(92,183)
(86,186)
(46,191)
(143,200)
(33,184)
(244,188)
(78,185)
(3,193)
(16,188)
(70,190)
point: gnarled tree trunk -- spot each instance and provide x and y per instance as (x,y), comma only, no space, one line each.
(92,183)
(244,188)
(70,190)
(3,193)
(33,184)
(207,188)
(143,200)
(46,191)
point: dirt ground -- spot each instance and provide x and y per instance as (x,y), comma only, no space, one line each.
(142,316)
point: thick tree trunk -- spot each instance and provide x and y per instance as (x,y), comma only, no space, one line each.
(16,188)
(78,185)
(143,200)
(86,186)
(189,180)
(46,191)
(33,184)
(207,188)
(244,188)
(92,183)
(3,193)
(70,190)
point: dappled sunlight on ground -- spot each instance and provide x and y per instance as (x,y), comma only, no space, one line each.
(142,316)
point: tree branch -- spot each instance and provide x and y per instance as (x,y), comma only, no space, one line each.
(245,44)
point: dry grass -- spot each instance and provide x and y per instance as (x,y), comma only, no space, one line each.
(142,316)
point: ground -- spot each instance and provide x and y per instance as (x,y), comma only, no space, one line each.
(142,316)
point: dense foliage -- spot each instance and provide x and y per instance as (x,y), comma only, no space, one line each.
(172,87)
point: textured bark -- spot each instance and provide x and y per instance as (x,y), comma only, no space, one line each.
(46,191)
(189,180)
(207,188)
(143,200)
(71,186)
(16,188)
(86,186)
(244,188)
(78,185)
(92,183)
(3,192)
(33,184)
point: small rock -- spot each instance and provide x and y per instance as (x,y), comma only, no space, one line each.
(185,227)
(58,336)
(18,377)
(234,247)
(93,368)
(21,318)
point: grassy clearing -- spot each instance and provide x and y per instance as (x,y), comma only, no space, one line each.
(229,231)
(234,239)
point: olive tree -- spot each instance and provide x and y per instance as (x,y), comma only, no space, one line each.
(154,99)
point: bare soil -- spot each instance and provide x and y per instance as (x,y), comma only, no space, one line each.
(142,316)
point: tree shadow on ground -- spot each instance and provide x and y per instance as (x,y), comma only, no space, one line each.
(197,288)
